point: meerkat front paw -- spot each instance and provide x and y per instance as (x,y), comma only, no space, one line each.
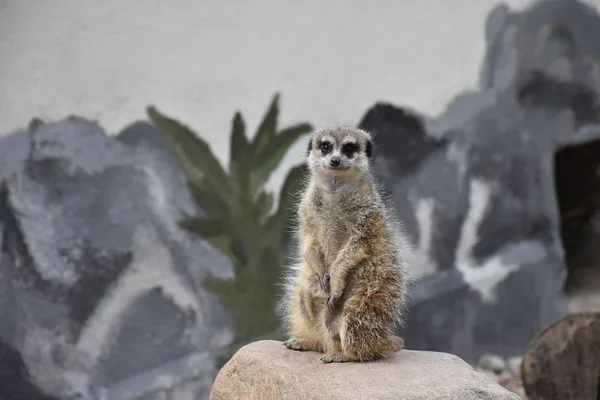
(333,358)
(333,301)
(325,283)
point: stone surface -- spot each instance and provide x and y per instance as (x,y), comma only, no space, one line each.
(267,370)
(100,289)
(14,377)
(492,362)
(563,361)
(585,300)
(475,187)
(507,372)
(513,365)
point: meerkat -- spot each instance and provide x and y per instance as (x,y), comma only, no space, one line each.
(347,292)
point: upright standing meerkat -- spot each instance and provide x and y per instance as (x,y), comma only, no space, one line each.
(347,292)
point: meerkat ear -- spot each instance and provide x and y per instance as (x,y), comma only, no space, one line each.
(310,143)
(369,149)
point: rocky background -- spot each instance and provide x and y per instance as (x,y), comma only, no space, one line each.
(478,189)
(102,291)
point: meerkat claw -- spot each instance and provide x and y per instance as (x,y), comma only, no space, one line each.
(325,283)
(294,344)
(332,302)
(333,358)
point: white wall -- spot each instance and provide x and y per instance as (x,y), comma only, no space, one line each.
(200,61)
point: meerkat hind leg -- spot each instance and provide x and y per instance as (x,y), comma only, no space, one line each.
(334,352)
(302,335)
(331,325)
(301,341)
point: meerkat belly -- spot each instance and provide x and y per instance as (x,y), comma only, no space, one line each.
(332,238)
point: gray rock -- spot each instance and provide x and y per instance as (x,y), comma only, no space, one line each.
(492,363)
(475,187)
(14,377)
(15,147)
(487,373)
(101,290)
(513,364)
(266,370)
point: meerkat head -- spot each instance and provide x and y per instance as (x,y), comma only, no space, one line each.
(341,152)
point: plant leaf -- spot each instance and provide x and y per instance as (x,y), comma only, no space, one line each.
(239,210)
(207,228)
(267,161)
(240,182)
(239,152)
(267,127)
(223,243)
(214,232)
(210,200)
(193,153)
(239,142)
(290,189)
(226,291)
(239,248)
(263,206)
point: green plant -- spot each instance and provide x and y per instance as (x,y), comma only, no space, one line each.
(240,220)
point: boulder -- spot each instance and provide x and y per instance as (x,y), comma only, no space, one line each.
(563,361)
(475,187)
(100,290)
(267,370)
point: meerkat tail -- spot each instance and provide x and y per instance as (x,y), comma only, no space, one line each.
(363,342)
(399,343)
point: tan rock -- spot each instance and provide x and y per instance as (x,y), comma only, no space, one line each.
(266,370)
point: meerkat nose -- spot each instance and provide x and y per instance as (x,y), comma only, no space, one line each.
(335,161)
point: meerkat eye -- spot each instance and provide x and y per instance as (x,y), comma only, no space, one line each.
(325,147)
(349,149)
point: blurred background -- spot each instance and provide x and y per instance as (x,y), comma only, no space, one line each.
(150,152)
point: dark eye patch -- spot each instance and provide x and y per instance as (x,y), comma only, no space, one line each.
(349,149)
(325,147)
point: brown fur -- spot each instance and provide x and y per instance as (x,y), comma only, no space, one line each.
(347,292)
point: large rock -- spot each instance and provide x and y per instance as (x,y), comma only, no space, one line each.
(475,187)
(563,361)
(100,291)
(266,370)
